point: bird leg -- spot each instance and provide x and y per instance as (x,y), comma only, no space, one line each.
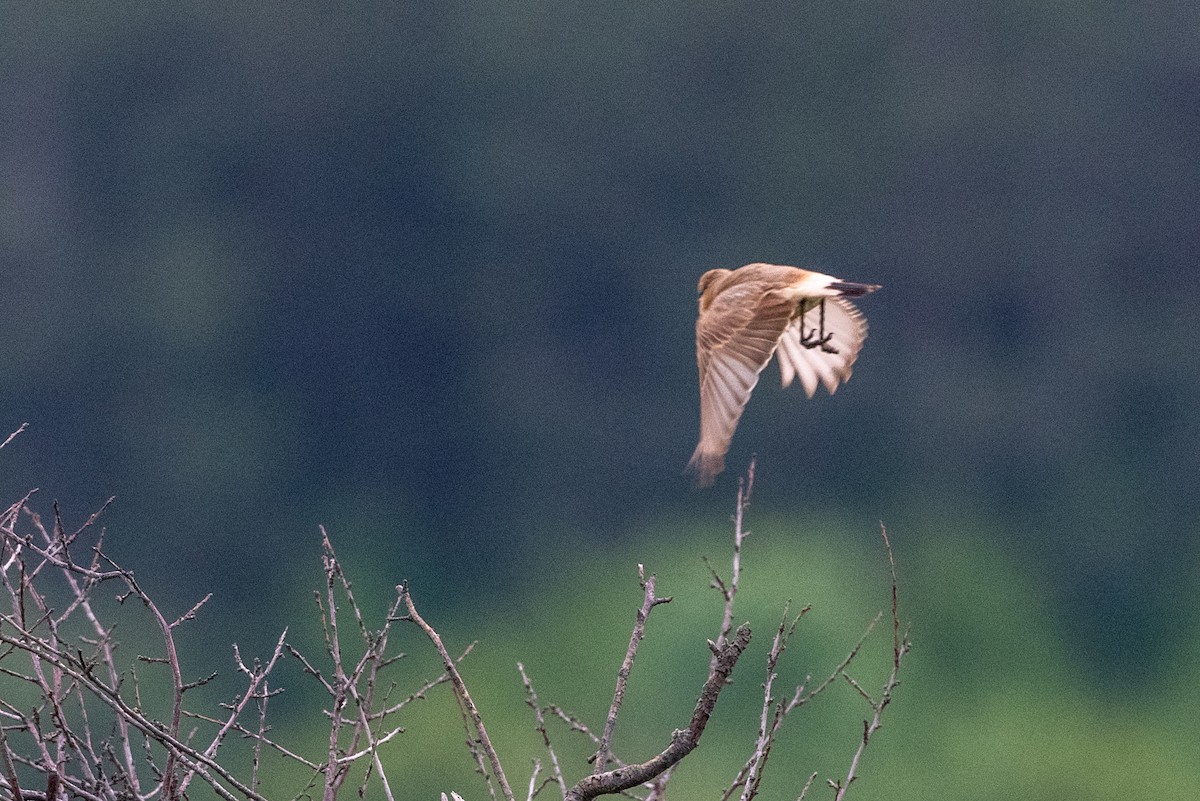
(816,337)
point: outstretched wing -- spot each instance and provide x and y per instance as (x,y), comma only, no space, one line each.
(735,338)
(815,365)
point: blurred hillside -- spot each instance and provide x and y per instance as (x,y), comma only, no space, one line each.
(425,273)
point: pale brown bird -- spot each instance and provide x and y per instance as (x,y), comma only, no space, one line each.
(753,312)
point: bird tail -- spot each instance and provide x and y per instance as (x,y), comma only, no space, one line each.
(706,465)
(850,289)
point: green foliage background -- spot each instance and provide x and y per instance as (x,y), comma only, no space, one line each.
(423,273)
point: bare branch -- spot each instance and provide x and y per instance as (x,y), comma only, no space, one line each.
(14,434)
(573,722)
(259,737)
(772,715)
(533,785)
(900,647)
(460,688)
(257,677)
(10,771)
(191,613)
(807,784)
(87,733)
(532,700)
(729,591)
(649,601)
(682,741)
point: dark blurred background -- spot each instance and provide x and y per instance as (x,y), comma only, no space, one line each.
(425,273)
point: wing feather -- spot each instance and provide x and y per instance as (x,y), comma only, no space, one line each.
(813,365)
(735,339)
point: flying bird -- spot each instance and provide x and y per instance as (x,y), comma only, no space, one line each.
(751,313)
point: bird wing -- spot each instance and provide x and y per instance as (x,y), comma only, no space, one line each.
(735,337)
(814,365)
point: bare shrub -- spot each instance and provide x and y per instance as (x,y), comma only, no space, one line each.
(74,723)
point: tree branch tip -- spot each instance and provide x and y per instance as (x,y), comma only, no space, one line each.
(198,682)
(726,650)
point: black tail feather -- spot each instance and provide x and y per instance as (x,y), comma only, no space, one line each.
(852,290)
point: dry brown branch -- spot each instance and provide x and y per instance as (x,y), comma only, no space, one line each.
(654,774)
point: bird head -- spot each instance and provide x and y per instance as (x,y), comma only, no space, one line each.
(706,281)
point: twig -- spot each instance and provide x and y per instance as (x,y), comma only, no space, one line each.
(335,770)
(729,591)
(772,715)
(460,688)
(259,737)
(14,434)
(900,647)
(10,772)
(807,784)
(419,694)
(256,751)
(532,700)
(682,741)
(256,676)
(573,722)
(533,785)
(649,601)
(801,697)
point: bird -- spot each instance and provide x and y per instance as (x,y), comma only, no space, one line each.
(759,310)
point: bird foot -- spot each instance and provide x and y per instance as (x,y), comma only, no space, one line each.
(817,338)
(811,340)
